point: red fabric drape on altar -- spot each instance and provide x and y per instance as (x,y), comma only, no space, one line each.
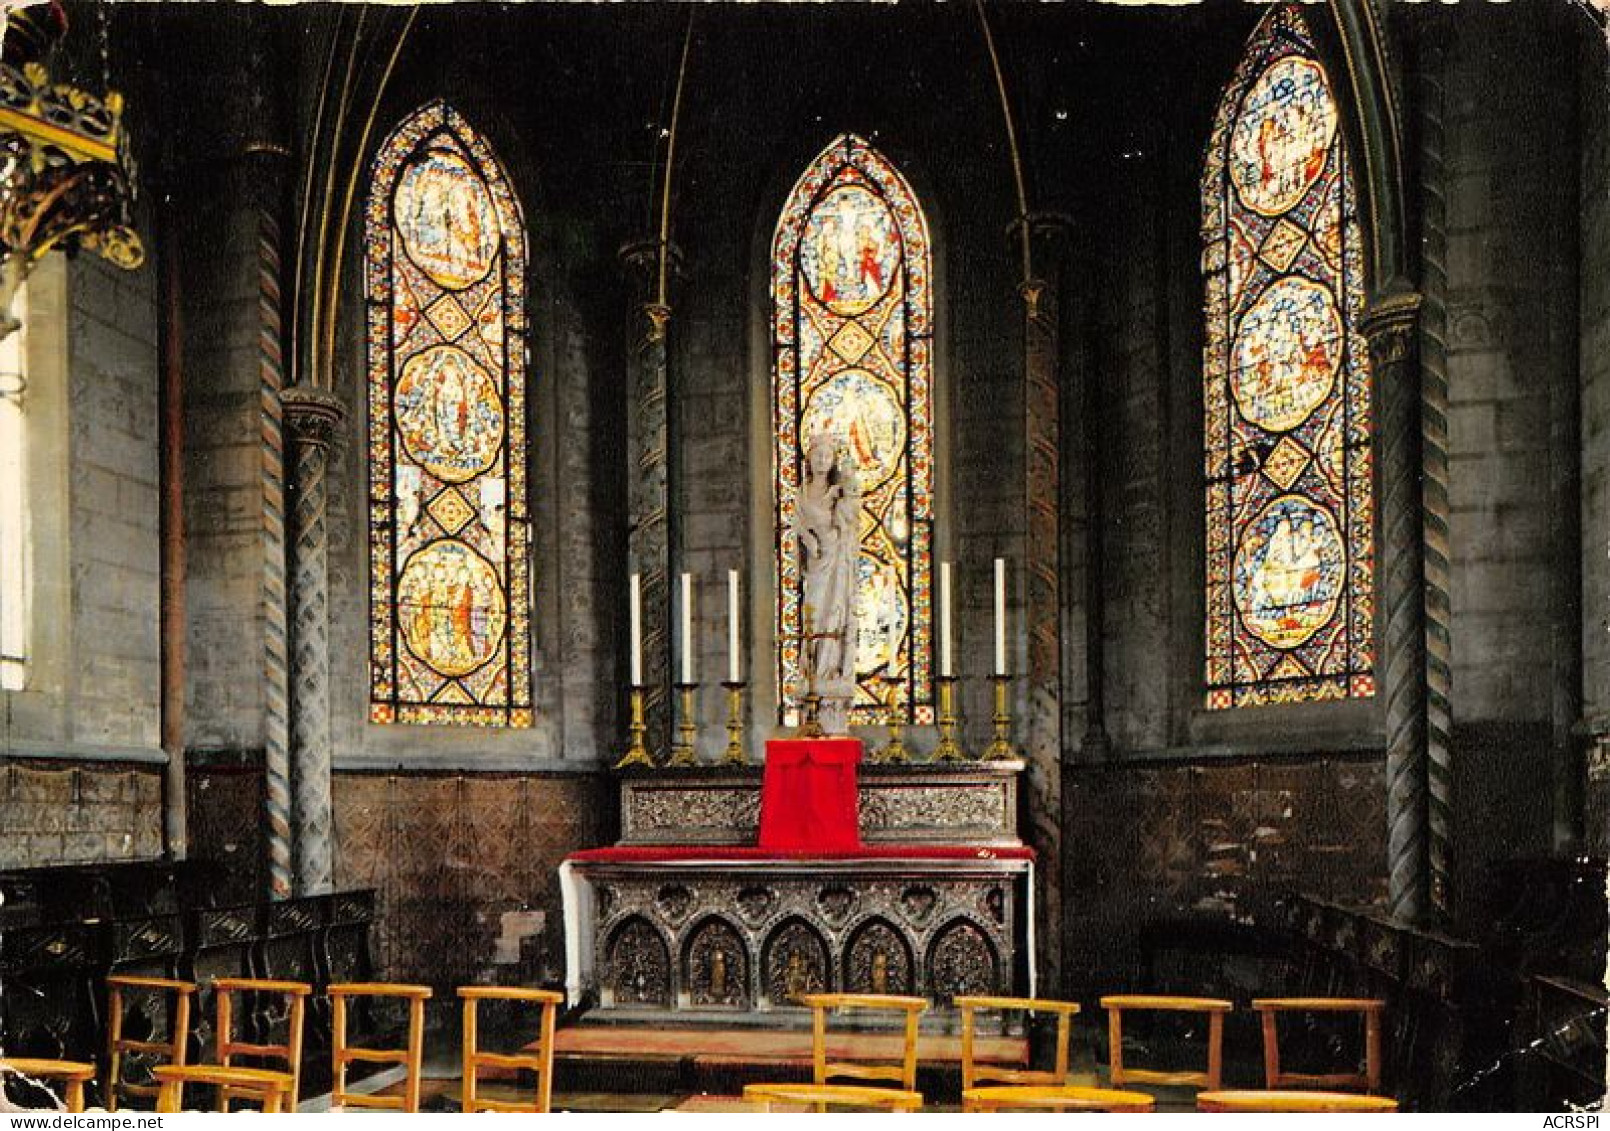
(808,797)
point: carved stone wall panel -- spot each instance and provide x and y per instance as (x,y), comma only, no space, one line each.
(961,960)
(910,926)
(638,966)
(795,961)
(974,804)
(715,966)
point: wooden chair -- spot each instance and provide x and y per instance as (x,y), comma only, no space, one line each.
(1215,1008)
(1293,1102)
(822,1092)
(72,1075)
(1370,1009)
(1052,1098)
(824,1096)
(271,1089)
(974,1074)
(234,1080)
(410,1057)
(177,995)
(539,1061)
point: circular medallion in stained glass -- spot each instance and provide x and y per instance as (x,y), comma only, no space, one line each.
(1282,136)
(449,414)
(450,608)
(850,250)
(446,219)
(865,415)
(1289,571)
(1286,352)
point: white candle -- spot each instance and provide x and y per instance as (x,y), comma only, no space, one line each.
(687,628)
(732,627)
(636,605)
(944,619)
(1000,616)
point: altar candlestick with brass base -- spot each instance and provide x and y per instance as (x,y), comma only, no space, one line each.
(894,752)
(1001,748)
(687,730)
(637,752)
(735,755)
(948,750)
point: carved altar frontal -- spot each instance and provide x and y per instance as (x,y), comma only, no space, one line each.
(686,917)
(971,804)
(751,935)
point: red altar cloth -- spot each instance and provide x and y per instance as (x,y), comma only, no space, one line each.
(722,853)
(808,796)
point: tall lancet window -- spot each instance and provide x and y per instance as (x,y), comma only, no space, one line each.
(449,584)
(1290,510)
(852,331)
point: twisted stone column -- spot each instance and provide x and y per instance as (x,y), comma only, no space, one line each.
(314,416)
(648,540)
(1434,476)
(1391,327)
(1042,485)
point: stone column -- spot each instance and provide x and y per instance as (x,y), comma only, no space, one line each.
(1041,295)
(1392,329)
(648,540)
(1434,481)
(269,170)
(313,416)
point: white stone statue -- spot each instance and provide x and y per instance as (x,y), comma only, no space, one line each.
(828,529)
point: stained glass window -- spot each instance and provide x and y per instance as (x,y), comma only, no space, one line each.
(852,325)
(1290,511)
(448,528)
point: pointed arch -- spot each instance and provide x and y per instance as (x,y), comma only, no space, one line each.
(445,268)
(1289,456)
(852,337)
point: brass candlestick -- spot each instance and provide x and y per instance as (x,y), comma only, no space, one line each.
(637,753)
(948,750)
(687,730)
(1001,748)
(893,752)
(735,755)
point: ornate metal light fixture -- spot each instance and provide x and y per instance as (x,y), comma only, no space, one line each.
(66,173)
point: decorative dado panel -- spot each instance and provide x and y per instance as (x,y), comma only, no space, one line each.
(720,937)
(974,804)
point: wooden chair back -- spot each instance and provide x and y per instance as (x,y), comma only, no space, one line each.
(538,1059)
(343,1053)
(1371,1010)
(294,995)
(974,1074)
(72,1075)
(177,997)
(825,1071)
(1215,1009)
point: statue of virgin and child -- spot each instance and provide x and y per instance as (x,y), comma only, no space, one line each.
(827,530)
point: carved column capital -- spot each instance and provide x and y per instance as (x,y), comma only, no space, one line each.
(313,415)
(1391,326)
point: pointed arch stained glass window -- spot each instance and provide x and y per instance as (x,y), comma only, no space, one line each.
(448,529)
(852,326)
(1290,510)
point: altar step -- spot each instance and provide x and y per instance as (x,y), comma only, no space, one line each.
(721,1060)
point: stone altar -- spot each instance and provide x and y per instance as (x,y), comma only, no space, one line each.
(686,917)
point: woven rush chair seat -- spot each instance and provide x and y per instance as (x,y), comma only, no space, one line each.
(1054,1098)
(72,1075)
(1293,1101)
(825,1096)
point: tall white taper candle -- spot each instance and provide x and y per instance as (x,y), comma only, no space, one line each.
(733,667)
(944,619)
(635,604)
(1000,616)
(687,628)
